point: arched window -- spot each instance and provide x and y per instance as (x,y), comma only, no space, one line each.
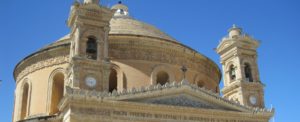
(57,92)
(113,80)
(24,102)
(162,78)
(124,81)
(248,73)
(162,74)
(200,84)
(91,48)
(232,73)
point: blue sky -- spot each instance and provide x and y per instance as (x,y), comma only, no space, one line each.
(28,25)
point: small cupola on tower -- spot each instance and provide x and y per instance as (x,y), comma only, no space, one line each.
(235,31)
(91,1)
(121,10)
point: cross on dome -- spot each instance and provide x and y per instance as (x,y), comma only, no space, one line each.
(91,1)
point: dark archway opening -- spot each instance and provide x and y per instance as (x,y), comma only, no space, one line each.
(162,78)
(248,73)
(113,80)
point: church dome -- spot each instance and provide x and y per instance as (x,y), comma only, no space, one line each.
(124,28)
(138,55)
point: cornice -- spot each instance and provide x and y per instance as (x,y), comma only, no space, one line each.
(41,60)
(134,92)
(240,84)
(161,51)
(240,41)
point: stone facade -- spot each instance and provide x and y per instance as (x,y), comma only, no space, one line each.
(113,68)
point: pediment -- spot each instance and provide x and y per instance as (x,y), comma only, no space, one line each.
(182,95)
(183,100)
(223,45)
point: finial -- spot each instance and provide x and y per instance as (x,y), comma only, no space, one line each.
(76,3)
(120,2)
(234,26)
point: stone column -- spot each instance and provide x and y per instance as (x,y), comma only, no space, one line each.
(77,42)
(106,44)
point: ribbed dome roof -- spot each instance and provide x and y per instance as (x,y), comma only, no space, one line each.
(122,23)
(129,26)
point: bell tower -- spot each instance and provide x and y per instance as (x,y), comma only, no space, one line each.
(240,69)
(89,65)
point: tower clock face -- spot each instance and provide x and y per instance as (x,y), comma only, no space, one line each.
(90,81)
(252,99)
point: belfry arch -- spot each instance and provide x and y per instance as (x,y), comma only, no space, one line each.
(91,48)
(248,72)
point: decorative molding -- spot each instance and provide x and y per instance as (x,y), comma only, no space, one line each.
(42,64)
(41,61)
(164,53)
(181,100)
